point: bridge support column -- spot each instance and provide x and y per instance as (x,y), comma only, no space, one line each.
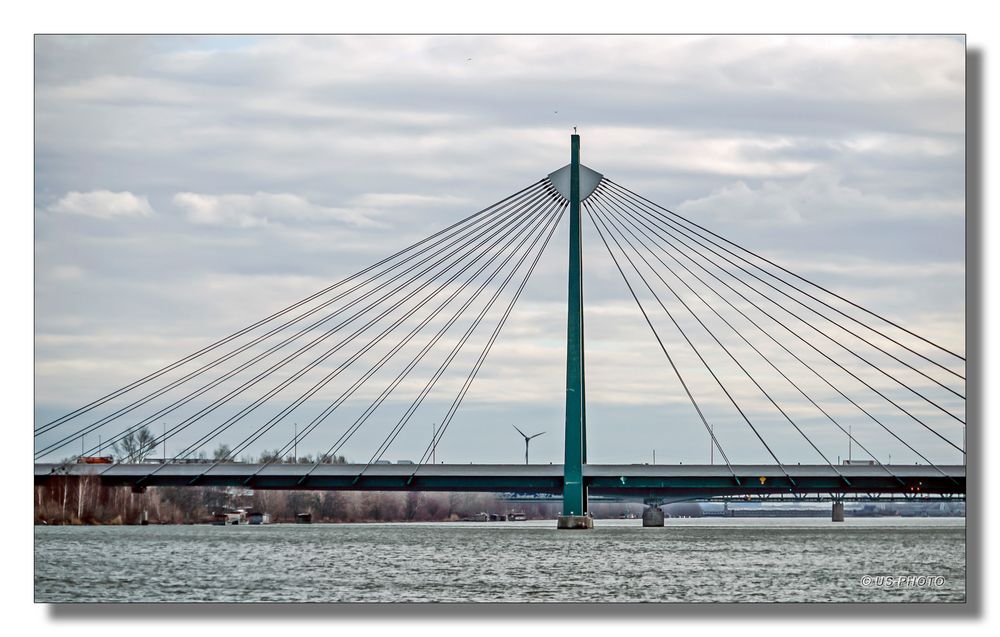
(575,522)
(575,509)
(652,516)
(838,512)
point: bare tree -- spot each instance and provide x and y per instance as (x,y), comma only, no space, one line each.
(412,505)
(270,456)
(221,452)
(136,446)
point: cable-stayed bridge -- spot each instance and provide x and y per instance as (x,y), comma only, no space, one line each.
(424,320)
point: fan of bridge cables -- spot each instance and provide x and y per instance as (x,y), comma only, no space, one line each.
(736,329)
(789,346)
(436,305)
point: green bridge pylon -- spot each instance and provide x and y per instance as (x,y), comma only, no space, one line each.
(575,509)
(574,491)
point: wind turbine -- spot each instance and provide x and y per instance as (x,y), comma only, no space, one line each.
(527,439)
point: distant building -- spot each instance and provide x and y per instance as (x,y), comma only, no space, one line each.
(230,518)
(257,517)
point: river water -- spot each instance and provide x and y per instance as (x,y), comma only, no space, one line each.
(689,560)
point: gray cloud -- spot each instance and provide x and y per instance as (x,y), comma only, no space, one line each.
(261,209)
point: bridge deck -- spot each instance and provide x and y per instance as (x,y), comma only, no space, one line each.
(632,479)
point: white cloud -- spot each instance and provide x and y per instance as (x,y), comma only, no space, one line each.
(103,204)
(262,209)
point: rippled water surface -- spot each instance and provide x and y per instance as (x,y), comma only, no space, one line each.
(747,560)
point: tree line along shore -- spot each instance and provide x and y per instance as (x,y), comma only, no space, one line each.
(83,500)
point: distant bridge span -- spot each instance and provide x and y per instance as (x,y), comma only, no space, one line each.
(636,480)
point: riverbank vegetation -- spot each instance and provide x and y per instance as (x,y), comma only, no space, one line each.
(83,500)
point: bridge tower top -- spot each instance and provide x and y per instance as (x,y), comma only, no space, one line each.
(589,180)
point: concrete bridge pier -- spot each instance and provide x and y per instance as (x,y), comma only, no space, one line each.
(652,516)
(838,511)
(575,522)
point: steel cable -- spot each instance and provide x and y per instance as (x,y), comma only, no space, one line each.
(686,338)
(498,233)
(152,396)
(311,427)
(449,250)
(623,215)
(794,333)
(680,377)
(675,227)
(597,202)
(447,362)
(805,280)
(658,232)
(453,409)
(238,333)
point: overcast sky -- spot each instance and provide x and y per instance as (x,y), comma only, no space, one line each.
(187,186)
